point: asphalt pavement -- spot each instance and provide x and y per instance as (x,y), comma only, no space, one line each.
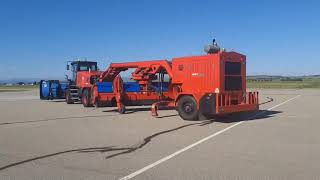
(52,140)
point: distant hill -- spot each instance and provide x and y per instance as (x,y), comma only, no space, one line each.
(26,80)
(264,77)
(251,77)
(311,76)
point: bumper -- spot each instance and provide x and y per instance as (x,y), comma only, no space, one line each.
(237,108)
(224,103)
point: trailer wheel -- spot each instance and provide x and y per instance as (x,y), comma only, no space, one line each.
(85,98)
(69,100)
(187,108)
(113,102)
(122,110)
(97,104)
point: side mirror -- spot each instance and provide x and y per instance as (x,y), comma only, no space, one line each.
(68,67)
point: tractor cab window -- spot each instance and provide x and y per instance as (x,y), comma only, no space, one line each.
(83,68)
(93,67)
(86,67)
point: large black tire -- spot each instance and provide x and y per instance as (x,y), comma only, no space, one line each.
(86,98)
(122,110)
(69,100)
(188,109)
(113,102)
(97,104)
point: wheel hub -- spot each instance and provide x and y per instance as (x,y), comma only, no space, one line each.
(188,108)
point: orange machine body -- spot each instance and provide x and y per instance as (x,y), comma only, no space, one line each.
(84,78)
(222,75)
(84,74)
(217,82)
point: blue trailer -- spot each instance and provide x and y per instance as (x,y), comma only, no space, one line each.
(53,89)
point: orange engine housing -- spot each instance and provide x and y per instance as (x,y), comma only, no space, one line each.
(199,75)
(216,82)
(85,78)
(220,77)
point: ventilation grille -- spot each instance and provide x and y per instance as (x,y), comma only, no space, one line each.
(233,83)
(233,79)
(232,68)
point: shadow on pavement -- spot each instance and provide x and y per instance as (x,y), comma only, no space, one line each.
(138,109)
(270,99)
(148,139)
(247,116)
(130,110)
(104,148)
(57,100)
(138,145)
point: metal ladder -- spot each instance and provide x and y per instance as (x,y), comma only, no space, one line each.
(74,92)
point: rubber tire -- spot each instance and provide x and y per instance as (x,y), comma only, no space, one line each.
(113,102)
(122,110)
(191,116)
(85,98)
(68,98)
(97,104)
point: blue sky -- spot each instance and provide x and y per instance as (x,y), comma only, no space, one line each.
(38,37)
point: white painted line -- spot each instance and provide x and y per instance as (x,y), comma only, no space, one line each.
(130,176)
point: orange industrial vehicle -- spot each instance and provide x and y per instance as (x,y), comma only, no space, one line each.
(83,75)
(198,86)
(77,88)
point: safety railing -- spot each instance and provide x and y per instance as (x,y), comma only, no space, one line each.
(252,98)
(230,99)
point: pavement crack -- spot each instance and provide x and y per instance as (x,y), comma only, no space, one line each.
(145,141)
(54,119)
(270,99)
(102,149)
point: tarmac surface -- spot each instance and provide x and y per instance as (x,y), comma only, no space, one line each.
(50,140)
